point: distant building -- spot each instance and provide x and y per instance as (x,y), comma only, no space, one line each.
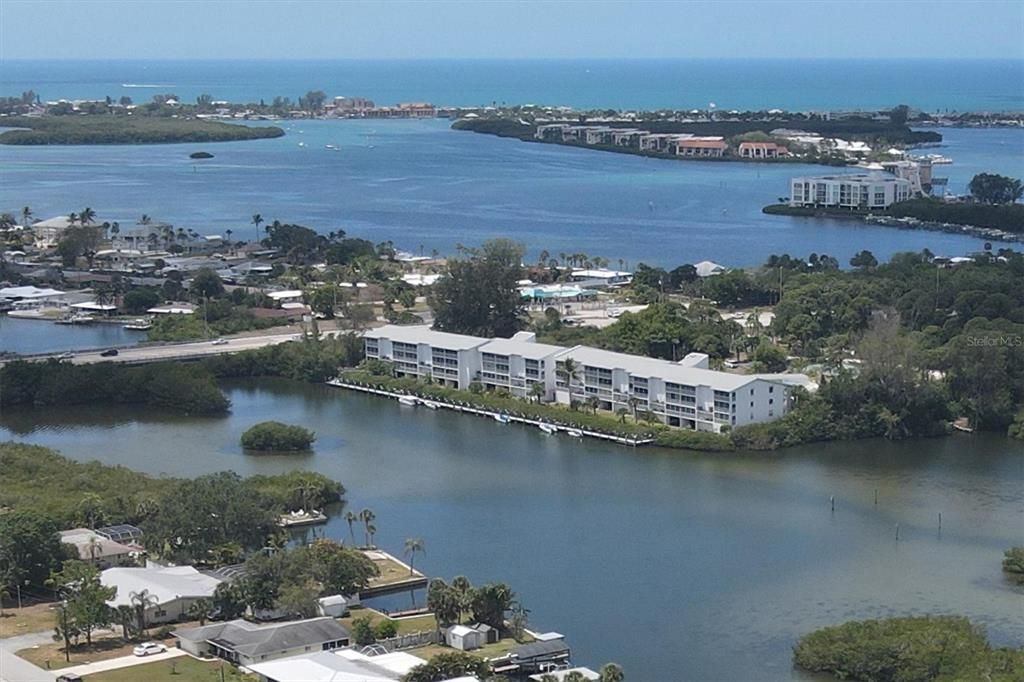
(761,150)
(343,665)
(712,147)
(96,549)
(862,191)
(352,104)
(706,268)
(602,276)
(48,232)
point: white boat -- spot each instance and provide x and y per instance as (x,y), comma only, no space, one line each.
(409,400)
(548,428)
(139,325)
(302,144)
(332,147)
(78,318)
(302,518)
(429,403)
(501,418)
(575,433)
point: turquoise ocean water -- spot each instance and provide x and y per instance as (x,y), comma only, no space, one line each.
(985,85)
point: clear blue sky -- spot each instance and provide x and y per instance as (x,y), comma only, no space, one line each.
(275,29)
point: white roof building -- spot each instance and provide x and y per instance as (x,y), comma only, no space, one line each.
(707,268)
(173,309)
(345,665)
(173,589)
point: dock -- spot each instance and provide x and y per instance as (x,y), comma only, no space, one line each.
(396,575)
(498,416)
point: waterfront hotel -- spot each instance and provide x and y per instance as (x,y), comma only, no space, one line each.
(686,394)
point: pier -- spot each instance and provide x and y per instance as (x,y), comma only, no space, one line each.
(497,416)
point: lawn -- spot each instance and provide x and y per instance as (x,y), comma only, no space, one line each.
(391,571)
(51,655)
(181,669)
(405,625)
(35,618)
(499,648)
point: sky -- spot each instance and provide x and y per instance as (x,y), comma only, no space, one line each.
(400,29)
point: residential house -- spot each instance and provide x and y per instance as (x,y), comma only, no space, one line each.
(709,147)
(245,643)
(344,665)
(761,150)
(98,550)
(172,589)
(707,268)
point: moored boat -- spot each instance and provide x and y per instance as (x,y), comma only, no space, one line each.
(408,400)
(548,428)
(501,418)
(302,518)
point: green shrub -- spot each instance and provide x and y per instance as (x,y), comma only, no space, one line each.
(277,436)
(916,649)
(385,629)
(694,440)
(1013,564)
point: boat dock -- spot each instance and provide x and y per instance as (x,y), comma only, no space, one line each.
(501,417)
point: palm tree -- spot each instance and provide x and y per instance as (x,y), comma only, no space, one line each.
(229,233)
(371,530)
(367,516)
(570,370)
(593,403)
(126,617)
(633,403)
(611,672)
(88,216)
(351,517)
(200,610)
(622,412)
(115,228)
(145,220)
(72,219)
(537,390)
(464,590)
(140,601)
(26,216)
(256,220)
(94,547)
(413,545)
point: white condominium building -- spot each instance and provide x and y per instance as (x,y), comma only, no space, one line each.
(449,359)
(858,191)
(685,394)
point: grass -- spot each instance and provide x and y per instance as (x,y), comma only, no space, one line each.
(180,669)
(51,655)
(391,572)
(405,625)
(496,650)
(35,618)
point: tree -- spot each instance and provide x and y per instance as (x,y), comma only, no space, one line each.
(443,601)
(769,358)
(865,260)
(206,284)
(26,216)
(335,568)
(478,294)
(367,516)
(228,602)
(85,597)
(570,371)
(87,216)
(257,219)
(362,630)
(385,629)
(412,546)
(990,188)
(899,114)
(464,591)
(200,610)
(1013,564)
(491,602)
(141,602)
(30,550)
(518,621)
(611,672)
(140,300)
(298,600)
(447,666)
(350,519)
(537,390)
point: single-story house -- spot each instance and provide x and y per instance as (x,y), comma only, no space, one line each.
(245,643)
(172,309)
(173,589)
(707,268)
(96,549)
(602,276)
(550,649)
(285,296)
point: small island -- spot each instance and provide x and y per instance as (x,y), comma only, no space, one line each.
(277,437)
(126,129)
(200,155)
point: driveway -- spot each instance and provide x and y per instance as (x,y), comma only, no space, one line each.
(123,662)
(14,669)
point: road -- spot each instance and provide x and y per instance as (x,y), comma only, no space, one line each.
(177,351)
(14,669)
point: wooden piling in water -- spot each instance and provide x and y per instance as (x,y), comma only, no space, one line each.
(897,532)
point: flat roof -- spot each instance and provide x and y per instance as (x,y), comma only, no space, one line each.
(527,349)
(656,368)
(424,334)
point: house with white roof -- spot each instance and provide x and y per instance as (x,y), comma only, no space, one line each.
(97,549)
(48,232)
(173,589)
(343,665)
(246,643)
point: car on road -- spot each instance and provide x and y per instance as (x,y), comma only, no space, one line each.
(109,353)
(70,677)
(66,356)
(219,342)
(148,648)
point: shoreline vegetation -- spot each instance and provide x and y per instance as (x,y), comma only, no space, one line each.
(90,129)
(1003,222)
(272,436)
(918,649)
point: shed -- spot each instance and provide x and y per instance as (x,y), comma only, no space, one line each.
(336,605)
(464,638)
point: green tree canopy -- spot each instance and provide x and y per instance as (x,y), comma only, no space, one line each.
(991,188)
(478,293)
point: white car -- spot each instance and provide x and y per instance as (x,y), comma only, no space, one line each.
(66,356)
(147,648)
(219,342)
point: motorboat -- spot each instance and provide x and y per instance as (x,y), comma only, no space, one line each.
(575,433)
(429,403)
(139,325)
(502,418)
(548,428)
(302,518)
(408,400)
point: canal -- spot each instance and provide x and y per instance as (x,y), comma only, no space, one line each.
(678,566)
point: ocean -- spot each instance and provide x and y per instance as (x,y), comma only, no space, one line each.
(932,85)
